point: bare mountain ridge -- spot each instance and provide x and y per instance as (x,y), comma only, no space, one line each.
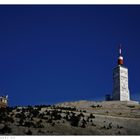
(126,108)
(72,118)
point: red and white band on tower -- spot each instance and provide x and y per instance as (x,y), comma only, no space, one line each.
(120,59)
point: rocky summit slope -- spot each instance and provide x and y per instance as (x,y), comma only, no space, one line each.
(72,118)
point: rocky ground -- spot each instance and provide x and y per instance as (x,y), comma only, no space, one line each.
(72,118)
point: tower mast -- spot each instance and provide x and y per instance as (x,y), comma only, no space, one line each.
(120,58)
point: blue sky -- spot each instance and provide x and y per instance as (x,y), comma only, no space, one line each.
(57,53)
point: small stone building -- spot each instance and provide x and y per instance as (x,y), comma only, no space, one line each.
(3,101)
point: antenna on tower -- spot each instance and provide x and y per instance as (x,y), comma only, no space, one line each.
(120,49)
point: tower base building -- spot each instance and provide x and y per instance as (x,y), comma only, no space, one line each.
(120,84)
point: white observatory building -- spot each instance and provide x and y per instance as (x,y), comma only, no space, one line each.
(120,81)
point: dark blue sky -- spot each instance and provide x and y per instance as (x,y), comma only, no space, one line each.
(51,54)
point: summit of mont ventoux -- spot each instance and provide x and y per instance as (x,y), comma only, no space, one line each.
(116,115)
